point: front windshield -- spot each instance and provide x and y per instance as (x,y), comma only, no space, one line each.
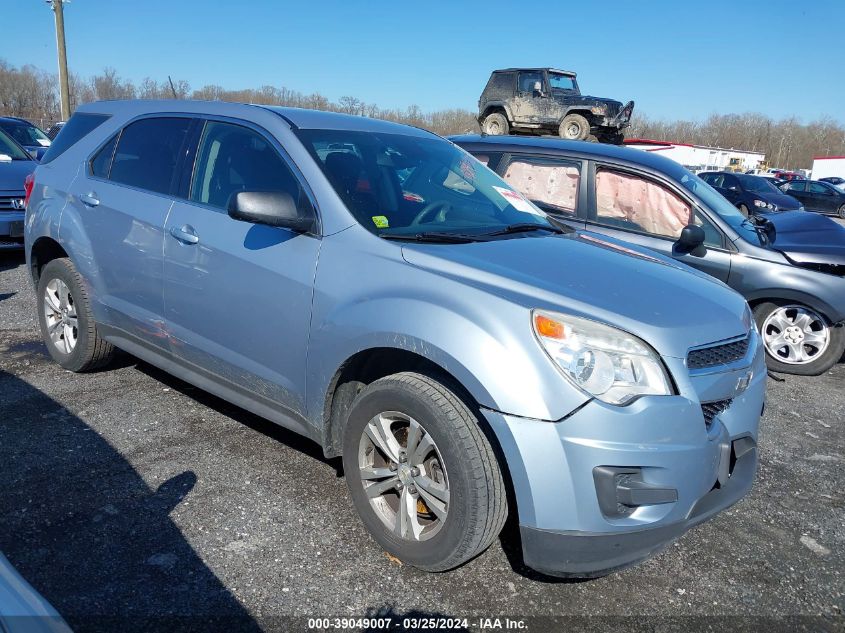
(26,134)
(755,184)
(9,148)
(559,81)
(402,185)
(715,201)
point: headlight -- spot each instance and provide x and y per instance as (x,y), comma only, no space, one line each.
(763,204)
(602,109)
(605,362)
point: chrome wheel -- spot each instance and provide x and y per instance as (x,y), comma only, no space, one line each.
(795,335)
(60,316)
(573,131)
(404,476)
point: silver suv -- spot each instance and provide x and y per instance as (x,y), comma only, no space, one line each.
(377,289)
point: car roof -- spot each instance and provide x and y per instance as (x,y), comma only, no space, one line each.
(552,70)
(580,149)
(296,117)
(15,119)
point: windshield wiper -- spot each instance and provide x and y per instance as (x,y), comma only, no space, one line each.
(429,236)
(525,227)
(764,227)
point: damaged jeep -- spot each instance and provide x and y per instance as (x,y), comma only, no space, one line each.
(545,100)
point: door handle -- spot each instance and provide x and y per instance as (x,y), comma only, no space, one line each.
(89,199)
(185,234)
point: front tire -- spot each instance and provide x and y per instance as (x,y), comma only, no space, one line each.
(422,475)
(841,212)
(495,124)
(67,324)
(798,340)
(574,127)
(744,210)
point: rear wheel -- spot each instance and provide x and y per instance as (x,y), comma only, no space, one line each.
(798,340)
(67,325)
(574,127)
(422,475)
(495,124)
(841,212)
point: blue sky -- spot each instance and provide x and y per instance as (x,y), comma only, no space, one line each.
(677,59)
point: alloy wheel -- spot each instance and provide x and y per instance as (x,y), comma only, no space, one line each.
(404,476)
(795,335)
(60,315)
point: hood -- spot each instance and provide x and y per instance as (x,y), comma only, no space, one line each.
(670,306)
(808,238)
(13,174)
(589,100)
(783,201)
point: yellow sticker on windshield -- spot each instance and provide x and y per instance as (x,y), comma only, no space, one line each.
(380,221)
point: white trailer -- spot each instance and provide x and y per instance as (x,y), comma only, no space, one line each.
(699,158)
(827,166)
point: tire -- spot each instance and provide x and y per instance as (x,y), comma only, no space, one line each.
(461,461)
(67,325)
(592,138)
(781,356)
(574,127)
(495,124)
(744,210)
(841,212)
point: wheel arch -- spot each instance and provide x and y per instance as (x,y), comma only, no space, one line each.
(44,250)
(786,296)
(496,106)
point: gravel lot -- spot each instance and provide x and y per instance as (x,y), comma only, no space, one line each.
(129,493)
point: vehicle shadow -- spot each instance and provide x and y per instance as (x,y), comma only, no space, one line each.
(11,259)
(88,533)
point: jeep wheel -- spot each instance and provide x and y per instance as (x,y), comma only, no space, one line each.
(574,127)
(422,474)
(495,124)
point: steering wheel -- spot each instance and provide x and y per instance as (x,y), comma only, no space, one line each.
(442,205)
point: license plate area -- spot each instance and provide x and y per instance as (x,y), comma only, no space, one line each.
(16,229)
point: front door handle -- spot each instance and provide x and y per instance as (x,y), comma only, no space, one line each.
(185,234)
(89,199)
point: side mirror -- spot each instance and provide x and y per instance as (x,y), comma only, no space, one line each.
(274,208)
(691,241)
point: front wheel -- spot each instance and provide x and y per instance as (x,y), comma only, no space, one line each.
(422,475)
(841,212)
(744,210)
(798,340)
(574,127)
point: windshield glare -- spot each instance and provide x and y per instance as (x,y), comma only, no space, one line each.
(561,82)
(9,148)
(397,184)
(755,184)
(719,204)
(25,134)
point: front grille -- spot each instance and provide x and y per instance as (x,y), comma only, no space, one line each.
(11,203)
(712,409)
(717,354)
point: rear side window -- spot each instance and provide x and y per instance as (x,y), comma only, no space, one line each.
(79,126)
(148,151)
(552,184)
(101,163)
(234,158)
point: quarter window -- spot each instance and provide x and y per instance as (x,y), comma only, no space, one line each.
(234,158)
(551,184)
(101,163)
(631,202)
(148,151)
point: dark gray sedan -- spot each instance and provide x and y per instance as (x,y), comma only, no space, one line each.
(789,266)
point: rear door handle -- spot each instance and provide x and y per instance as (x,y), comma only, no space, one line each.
(89,199)
(185,234)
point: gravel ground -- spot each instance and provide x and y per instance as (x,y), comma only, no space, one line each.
(129,493)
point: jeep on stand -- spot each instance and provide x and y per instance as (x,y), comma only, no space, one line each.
(545,100)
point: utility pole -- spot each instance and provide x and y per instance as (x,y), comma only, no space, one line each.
(58,9)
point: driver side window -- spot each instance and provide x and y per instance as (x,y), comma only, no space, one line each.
(630,202)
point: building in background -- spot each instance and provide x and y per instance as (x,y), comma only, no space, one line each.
(699,158)
(827,166)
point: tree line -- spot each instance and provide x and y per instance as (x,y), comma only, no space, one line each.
(32,93)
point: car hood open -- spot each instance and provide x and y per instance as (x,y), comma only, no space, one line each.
(808,238)
(667,304)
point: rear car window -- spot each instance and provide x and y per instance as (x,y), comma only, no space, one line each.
(79,126)
(148,151)
(552,184)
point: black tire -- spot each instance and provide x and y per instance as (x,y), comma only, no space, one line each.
(819,365)
(574,127)
(744,210)
(475,482)
(495,124)
(841,212)
(90,351)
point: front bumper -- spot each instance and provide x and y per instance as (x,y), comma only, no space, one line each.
(11,229)
(683,470)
